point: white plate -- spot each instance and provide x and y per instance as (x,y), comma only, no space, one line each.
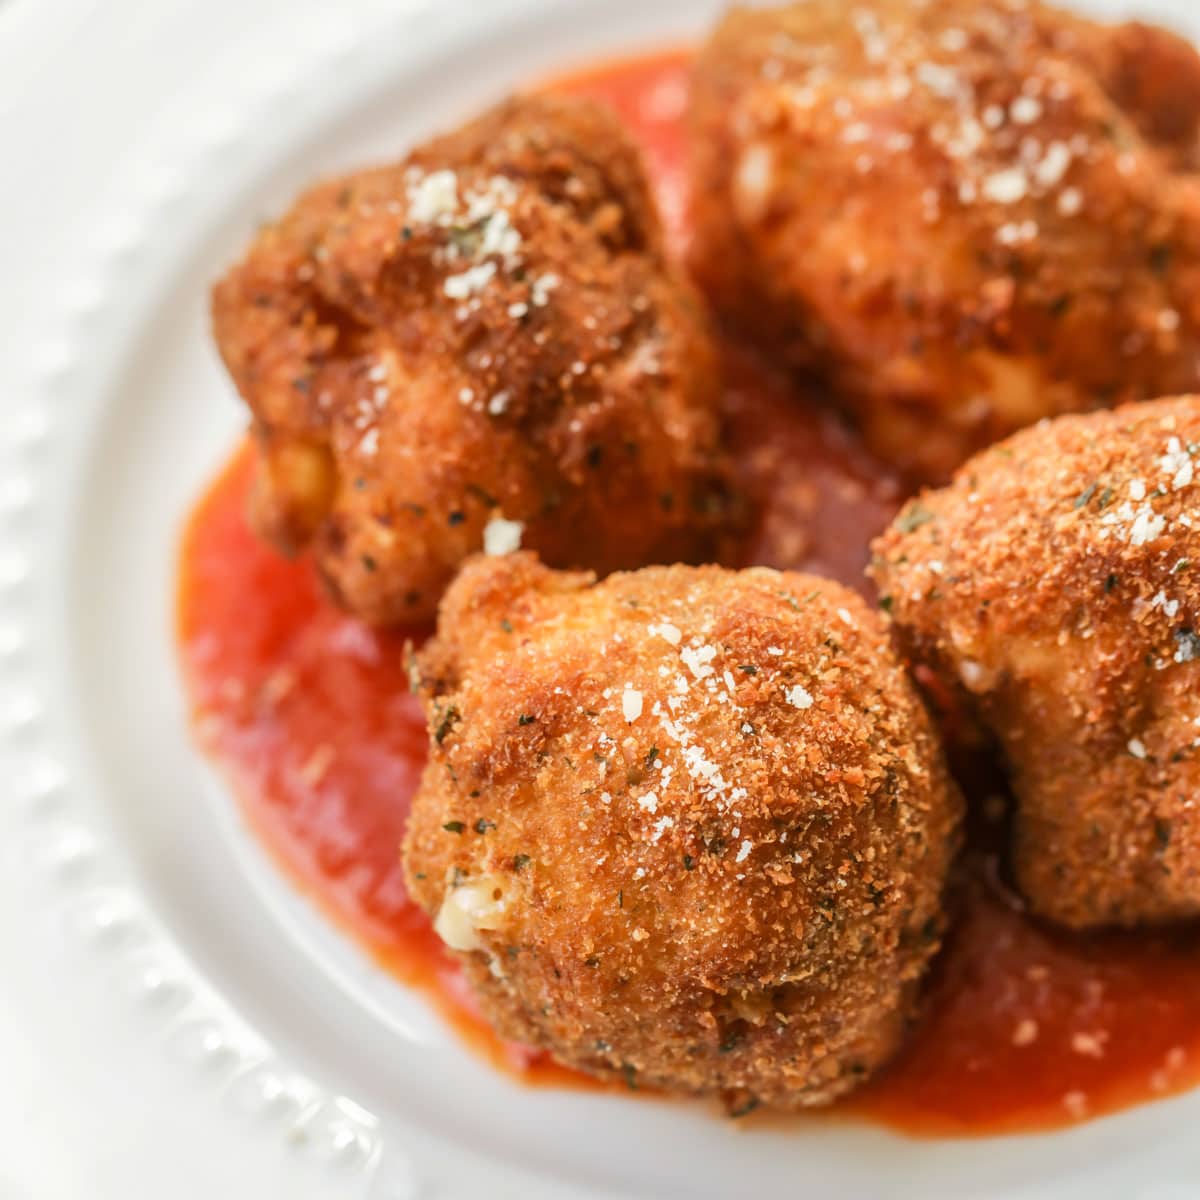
(174,1021)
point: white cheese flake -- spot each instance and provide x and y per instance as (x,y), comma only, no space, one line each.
(1169,607)
(1147,526)
(697,659)
(1025,110)
(1053,165)
(540,289)
(501,536)
(666,631)
(1070,201)
(1177,463)
(1015,233)
(433,198)
(939,79)
(500,238)
(631,704)
(469,282)
(1007,186)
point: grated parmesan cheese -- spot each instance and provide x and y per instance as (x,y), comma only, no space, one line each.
(501,536)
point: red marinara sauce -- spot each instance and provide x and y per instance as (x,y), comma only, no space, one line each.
(307,712)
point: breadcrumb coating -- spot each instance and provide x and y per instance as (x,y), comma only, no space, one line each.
(480,347)
(964,215)
(687,826)
(1055,586)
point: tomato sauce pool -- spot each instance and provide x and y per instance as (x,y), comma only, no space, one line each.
(307,713)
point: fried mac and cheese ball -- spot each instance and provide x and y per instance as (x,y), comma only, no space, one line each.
(688,827)
(1056,586)
(965,215)
(480,346)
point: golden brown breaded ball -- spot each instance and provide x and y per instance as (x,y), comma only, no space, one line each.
(1055,585)
(481,345)
(688,827)
(966,215)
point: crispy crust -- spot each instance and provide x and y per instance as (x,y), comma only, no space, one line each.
(1055,585)
(965,215)
(730,884)
(487,329)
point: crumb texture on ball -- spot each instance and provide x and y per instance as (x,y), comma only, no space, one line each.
(965,215)
(1055,586)
(688,827)
(479,347)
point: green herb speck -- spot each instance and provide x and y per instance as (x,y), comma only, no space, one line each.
(450,718)
(913,517)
